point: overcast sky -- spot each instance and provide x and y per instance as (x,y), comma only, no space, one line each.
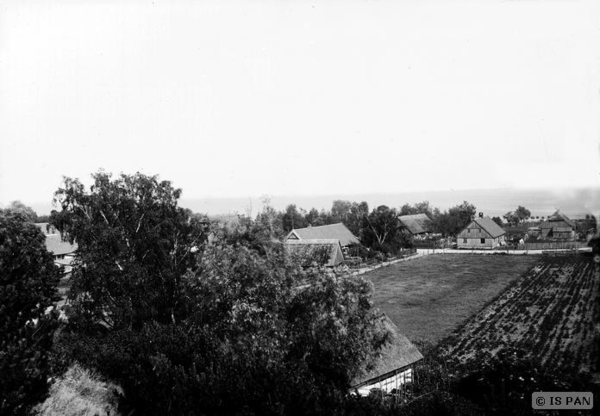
(244,98)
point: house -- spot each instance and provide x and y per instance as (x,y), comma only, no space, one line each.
(63,251)
(333,231)
(419,225)
(394,367)
(482,232)
(558,226)
(307,251)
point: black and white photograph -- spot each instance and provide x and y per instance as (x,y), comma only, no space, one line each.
(299,207)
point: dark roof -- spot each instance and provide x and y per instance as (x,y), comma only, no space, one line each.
(305,247)
(557,217)
(417,223)
(397,354)
(333,231)
(56,246)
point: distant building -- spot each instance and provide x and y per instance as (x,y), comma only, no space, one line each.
(482,232)
(558,226)
(393,369)
(307,251)
(63,251)
(333,231)
(419,225)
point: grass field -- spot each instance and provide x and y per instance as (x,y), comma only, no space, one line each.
(427,298)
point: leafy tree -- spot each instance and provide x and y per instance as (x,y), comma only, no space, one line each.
(340,210)
(522,213)
(498,221)
(384,231)
(28,286)
(292,218)
(356,219)
(27,212)
(252,342)
(228,327)
(453,221)
(418,208)
(134,245)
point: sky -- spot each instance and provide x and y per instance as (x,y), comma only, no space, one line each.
(250,98)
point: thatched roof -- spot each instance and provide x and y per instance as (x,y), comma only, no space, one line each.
(399,353)
(417,223)
(307,248)
(333,231)
(556,218)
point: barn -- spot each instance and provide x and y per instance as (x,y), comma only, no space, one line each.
(308,251)
(558,226)
(328,232)
(419,225)
(482,232)
(393,369)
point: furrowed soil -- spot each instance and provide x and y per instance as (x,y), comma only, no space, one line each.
(429,297)
(553,312)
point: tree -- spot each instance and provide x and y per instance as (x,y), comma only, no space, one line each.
(453,221)
(340,210)
(418,208)
(384,231)
(27,212)
(134,245)
(522,213)
(229,327)
(28,286)
(292,218)
(498,221)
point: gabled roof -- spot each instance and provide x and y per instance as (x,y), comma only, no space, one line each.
(333,231)
(56,246)
(305,248)
(397,354)
(417,223)
(557,217)
(487,224)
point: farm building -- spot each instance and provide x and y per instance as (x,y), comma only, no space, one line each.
(333,231)
(63,251)
(419,225)
(482,232)
(558,226)
(308,251)
(393,369)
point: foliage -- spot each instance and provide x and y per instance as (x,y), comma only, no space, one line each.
(233,326)
(17,207)
(517,216)
(292,218)
(498,221)
(253,342)
(134,245)
(418,208)
(383,230)
(453,221)
(27,288)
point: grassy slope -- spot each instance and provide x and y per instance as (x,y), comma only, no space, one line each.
(428,298)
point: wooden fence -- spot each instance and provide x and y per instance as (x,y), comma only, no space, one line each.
(555,245)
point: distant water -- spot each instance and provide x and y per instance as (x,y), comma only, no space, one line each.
(493,202)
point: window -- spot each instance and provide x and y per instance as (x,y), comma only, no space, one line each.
(464,240)
(483,241)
